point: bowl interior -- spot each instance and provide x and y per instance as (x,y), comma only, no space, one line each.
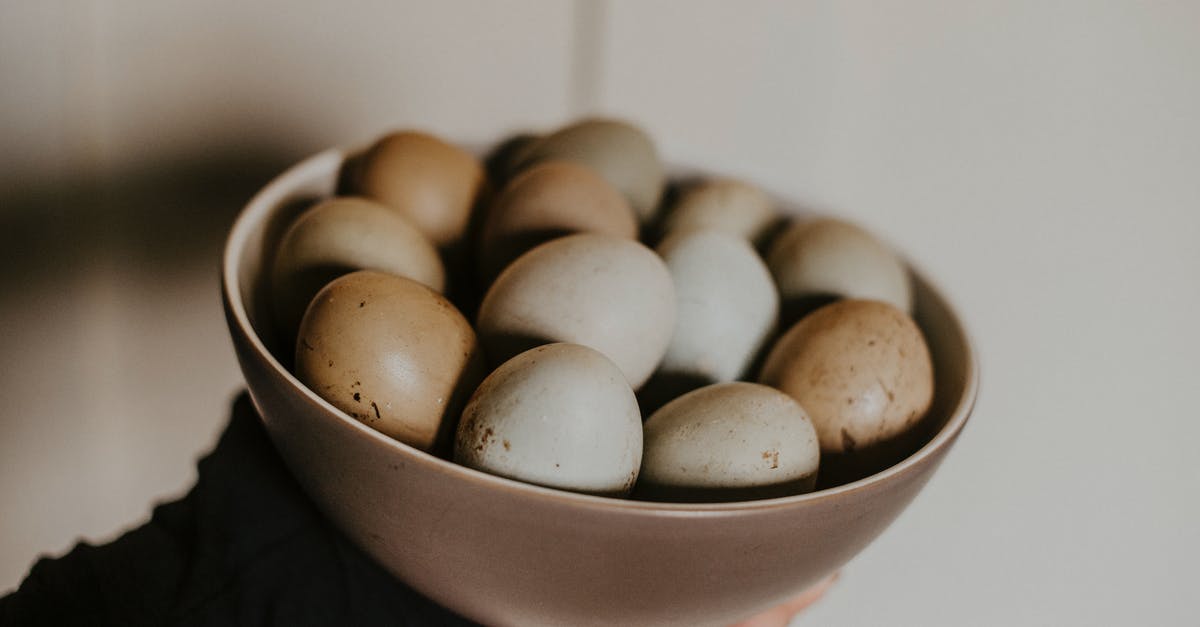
(258,229)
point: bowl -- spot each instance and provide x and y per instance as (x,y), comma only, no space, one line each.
(502,552)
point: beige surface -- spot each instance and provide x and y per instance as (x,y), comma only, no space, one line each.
(1039,159)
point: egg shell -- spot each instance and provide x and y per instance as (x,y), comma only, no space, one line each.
(546,201)
(341,235)
(826,257)
(432,183)
(726,305)
(728,442)
(605,292)
(860,368)
(559,415)
(391,353)
(619,151)
(728,205)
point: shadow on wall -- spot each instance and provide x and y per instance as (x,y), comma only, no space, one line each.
(153,223)
(117,366)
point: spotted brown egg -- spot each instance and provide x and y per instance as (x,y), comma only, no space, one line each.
(860,368)
(391,353)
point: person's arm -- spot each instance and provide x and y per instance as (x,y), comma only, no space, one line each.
(244,547)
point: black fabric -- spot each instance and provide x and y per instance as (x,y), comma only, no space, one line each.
(244,547)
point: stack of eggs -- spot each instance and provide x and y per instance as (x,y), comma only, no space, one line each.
(697,370)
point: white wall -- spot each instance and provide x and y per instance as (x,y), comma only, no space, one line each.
(1039,159)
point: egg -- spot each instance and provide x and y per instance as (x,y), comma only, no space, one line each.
(728,442)
(727,205)
(340,235)
(606,292)
(818,259)
(619,151)
(432,183)
(546,201)
(559,415)
(391,353)
(860,368)
(725,304)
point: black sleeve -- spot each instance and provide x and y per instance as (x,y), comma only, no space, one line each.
(244,547)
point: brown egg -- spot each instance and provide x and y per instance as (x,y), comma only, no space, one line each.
(341,235)
(391,353)
(620,152)
(431,182)
(860,368)
(546,201)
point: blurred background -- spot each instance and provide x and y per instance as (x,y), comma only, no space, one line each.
(1040,160)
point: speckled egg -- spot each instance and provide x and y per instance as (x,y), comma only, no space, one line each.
(391,353)
(860,368)
(606,292)
(726,442)
(559,415)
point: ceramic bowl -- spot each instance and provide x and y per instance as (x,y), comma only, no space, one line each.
(502,552)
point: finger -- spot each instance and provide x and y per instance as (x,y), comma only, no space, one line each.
(782,614)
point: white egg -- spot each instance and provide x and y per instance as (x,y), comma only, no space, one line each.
(726,205)
(559,415)
(726,305)
(606,292)
(730,441)
(828,257)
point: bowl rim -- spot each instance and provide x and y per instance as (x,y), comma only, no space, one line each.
(320,164)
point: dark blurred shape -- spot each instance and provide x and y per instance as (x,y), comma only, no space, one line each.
(503,160)
(244,547)
(151,222)
(663,387)
(793,310)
